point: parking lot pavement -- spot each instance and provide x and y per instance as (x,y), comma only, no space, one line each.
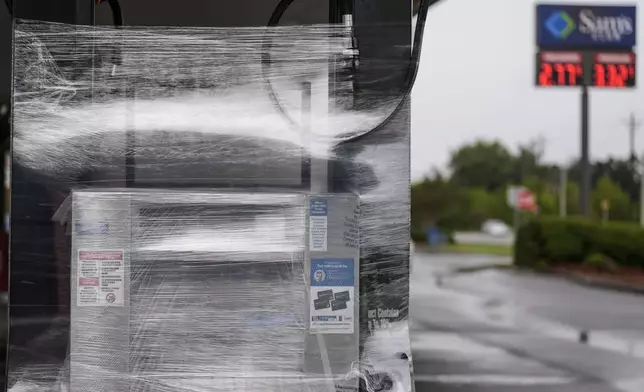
(499,331)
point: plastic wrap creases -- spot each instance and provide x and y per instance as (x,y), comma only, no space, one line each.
(191,213)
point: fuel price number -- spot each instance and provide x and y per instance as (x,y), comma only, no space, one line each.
(559,69)
(607,70)
(560,74)
(614,70)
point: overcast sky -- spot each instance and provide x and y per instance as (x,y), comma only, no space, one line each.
(476,80)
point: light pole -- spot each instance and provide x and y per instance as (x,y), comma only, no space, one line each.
(640,169)
(564,170)
(641,197)
(633,125)
(563,191)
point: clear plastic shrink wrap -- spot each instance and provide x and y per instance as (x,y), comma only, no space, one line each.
(215,226)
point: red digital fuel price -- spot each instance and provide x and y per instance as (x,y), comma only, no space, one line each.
(614,70)
(607,70)
(559,69)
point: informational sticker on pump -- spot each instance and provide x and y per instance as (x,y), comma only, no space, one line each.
(101,275)
(332,296)
(318,225)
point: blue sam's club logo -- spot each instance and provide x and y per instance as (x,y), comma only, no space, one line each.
(560,25)
(582,27)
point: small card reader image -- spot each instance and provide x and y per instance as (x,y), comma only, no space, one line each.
(342,296)
(338,305)
(326,295)
(321,304)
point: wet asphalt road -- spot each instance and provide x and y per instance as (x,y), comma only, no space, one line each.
(499,331)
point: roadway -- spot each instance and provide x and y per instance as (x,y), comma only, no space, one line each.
(479,238)
(500,331)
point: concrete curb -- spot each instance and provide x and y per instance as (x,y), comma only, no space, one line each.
(590,282)
(580,280)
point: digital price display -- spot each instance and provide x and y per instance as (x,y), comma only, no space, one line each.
(605,69)
(560,69)
(614,70)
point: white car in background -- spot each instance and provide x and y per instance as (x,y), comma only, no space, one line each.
(496,228)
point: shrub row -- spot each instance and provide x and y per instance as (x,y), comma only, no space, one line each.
(573,240)
(420,236)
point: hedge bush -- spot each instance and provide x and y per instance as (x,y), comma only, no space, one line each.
(418,235)
(573,240)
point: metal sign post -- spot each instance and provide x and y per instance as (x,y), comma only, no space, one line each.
(586,175)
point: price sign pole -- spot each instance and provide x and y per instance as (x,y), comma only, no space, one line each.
(586,172)
(585,46)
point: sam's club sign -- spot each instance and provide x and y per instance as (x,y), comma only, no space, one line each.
(579,26)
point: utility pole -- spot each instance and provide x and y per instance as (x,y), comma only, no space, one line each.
(641,172)
(633,125)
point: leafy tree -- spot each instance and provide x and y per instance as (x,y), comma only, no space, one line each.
(435,201)
(547,203)
(620,207)
(483,164)
(572,199)
(528,160)
(482,171)
(622,172)
(484,205)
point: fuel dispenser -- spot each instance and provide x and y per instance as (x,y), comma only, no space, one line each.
(212,196)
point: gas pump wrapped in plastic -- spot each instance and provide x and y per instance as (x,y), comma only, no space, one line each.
(204,212)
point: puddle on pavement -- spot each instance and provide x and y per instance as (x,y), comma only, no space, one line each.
(505,314)
(498,312)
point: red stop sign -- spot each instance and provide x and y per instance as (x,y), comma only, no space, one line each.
(526,201)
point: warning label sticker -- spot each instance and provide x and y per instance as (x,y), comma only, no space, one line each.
(318,222)
(101,275)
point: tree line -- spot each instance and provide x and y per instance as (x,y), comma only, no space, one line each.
(475,185)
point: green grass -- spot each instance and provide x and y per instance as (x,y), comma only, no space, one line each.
(479,268)
(486,249)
